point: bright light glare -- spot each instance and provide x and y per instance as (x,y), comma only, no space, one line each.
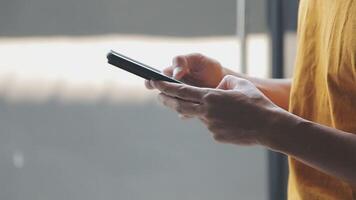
(76,68)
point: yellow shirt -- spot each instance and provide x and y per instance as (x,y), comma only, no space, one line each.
(324,87)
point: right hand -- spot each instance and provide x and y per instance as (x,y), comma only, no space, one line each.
(196,70)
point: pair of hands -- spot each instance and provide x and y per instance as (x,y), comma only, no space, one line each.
(233,109)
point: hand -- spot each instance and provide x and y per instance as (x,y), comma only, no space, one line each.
(195,69)
(236,112)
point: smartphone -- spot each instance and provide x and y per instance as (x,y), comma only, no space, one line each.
(137,68)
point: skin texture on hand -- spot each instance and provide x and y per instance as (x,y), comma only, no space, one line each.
(235,112)
(201,71)
(195,69)
(277,90)
(245,110)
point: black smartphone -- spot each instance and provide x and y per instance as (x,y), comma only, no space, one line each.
(137,68)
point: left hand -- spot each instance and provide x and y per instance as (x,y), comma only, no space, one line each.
(235,112)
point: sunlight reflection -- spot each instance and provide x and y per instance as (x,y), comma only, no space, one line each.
(75,69)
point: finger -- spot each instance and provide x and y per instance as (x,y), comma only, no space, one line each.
(168,71)
(179,73)
(182,107)
(204,120)
(148,85)
(180,65)
(185,117)
(182,91)
(229,82)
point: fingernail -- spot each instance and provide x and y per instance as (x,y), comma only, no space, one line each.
(176,71)
(152,83)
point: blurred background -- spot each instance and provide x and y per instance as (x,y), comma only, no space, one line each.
(74,127)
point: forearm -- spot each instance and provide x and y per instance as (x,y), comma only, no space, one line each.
(277,90)
(326,149)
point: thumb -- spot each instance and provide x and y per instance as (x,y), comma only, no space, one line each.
(180,66)
(229,83)
(179,72)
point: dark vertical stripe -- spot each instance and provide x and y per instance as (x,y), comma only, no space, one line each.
(277,163)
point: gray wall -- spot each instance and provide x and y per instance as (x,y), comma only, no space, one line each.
(152,17)
(129,151)
(91,17)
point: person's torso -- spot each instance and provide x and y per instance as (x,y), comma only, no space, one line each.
(324,87)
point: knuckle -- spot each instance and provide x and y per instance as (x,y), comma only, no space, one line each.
(182,91)
(179,59)
(210,97)
(179,109)
(163,100)
(176,106)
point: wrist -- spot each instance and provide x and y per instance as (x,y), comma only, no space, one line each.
(281,130)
